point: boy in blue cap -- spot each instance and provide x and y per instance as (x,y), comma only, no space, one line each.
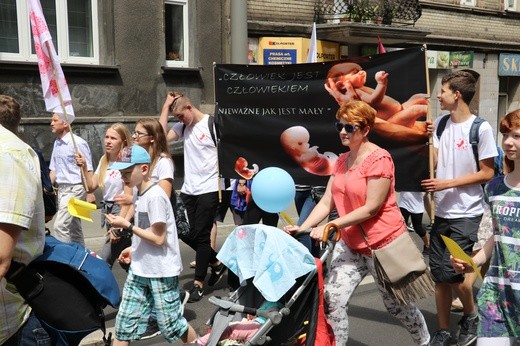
(154,257)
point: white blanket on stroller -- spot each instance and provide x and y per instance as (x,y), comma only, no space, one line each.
(269,255)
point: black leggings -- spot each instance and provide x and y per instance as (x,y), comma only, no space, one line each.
(416,221)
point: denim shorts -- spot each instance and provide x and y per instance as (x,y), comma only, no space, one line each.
(464,232)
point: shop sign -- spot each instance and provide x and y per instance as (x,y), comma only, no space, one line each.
(444,59)
(509,64)
(294,50)
(461,59)
(438,59)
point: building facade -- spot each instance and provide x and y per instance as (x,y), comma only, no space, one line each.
(121,57)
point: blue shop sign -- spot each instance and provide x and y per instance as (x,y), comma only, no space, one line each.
(279,56)
(509,64)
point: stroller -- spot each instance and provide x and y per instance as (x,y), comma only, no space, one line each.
(274,267)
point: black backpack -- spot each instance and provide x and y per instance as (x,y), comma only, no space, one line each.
(473,140)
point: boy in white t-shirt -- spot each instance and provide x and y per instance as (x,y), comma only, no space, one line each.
(154,257)
(458,200)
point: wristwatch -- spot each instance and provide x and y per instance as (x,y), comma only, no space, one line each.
(129,230)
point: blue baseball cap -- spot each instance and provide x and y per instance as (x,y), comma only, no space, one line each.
(130,156)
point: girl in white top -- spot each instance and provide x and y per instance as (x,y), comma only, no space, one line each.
(117,137)
(150,135)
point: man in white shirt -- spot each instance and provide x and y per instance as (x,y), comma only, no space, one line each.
(67,175)
(201,184)
(458,200)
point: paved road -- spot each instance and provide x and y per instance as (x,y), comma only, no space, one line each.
(370,324)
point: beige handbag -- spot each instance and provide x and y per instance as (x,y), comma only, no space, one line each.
(402,270)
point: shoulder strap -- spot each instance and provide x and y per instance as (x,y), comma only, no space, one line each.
(474,137)
(442,126)
(212,125)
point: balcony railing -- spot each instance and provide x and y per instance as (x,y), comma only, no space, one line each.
(385,12)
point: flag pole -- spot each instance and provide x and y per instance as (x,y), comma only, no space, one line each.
(430,138)
(83,178)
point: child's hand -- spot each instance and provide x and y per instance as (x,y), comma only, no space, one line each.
(461,266)
(292,230)
(126,256)
(382,77)
(117,221)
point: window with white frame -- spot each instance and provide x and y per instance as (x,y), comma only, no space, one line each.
(176,32)
(511,5)
(72,23)
(468,2)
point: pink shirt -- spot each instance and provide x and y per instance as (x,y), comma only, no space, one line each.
(349,192)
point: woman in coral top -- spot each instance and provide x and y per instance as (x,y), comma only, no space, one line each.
(361,187)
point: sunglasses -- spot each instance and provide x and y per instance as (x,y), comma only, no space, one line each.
(349,128)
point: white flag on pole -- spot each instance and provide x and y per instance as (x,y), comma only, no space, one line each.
(51,74)
(313,47)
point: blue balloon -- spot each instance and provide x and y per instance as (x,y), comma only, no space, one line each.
(273,189)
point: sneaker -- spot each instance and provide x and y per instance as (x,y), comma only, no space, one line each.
(441,338)
(152,330)
(183,297)
(468,330)
(216,274)
(195,293)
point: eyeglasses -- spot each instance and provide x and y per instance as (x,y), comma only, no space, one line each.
(140,134)
(349,128)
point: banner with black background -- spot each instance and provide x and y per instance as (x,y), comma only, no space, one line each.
(255,104)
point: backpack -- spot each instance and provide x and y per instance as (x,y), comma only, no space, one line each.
(473,140)
(49,197)
(67,288)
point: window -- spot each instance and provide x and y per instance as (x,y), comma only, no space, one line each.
(72,24)
(176,32)
(468,2)
(510,5)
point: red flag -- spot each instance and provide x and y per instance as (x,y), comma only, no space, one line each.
(51,74)
(380,48)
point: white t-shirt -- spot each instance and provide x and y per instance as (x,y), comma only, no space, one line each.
(411,201)
(163,169)
(113,183)
(455,159)
(148,260)
(200,158)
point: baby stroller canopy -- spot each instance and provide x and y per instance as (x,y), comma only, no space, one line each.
(273,258)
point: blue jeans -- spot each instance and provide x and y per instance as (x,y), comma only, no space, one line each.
(30,334)
(304,204)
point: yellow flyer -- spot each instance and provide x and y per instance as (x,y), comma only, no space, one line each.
(458,253)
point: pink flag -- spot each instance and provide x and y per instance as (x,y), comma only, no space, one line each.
(52,77)
(380,48)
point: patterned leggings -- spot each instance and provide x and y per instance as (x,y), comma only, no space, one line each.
(347,270)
